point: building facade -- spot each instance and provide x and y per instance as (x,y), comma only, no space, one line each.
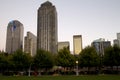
(64,44)
(47,37)
(14,39)
(118,38)
(77,44)
(30,43)
(116,42)
(118,35)
(100,45)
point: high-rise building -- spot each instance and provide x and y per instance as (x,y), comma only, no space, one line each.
(14,40)
(118,38)
(100,45)
(30,43)
(64,44)
(47,37)
(77,44)
(118,35)
(116,42)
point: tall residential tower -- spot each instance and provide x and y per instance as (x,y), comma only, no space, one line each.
(47,36)
(14,39)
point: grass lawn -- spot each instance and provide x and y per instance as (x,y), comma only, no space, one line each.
(84,77)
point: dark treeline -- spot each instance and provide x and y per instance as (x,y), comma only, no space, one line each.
(62,63)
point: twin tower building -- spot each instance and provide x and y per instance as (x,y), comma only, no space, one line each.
(47,33)
(47,36)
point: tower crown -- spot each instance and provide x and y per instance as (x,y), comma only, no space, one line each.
(14,23)
(47,3)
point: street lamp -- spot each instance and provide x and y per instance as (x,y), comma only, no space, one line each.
(29,70)
(77,72)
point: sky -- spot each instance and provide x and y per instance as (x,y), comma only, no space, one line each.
(93,19)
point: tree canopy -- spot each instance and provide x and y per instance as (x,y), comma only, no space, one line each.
(112,56)
(21,60)
(89,57)
(64,58)
(43,59)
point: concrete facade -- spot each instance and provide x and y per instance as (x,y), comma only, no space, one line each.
(30,43)
(64,44)
(14,38)
(47,36)
(77,44)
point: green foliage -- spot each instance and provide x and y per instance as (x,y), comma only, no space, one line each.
(43,59)
(88,57)
(112,56)
(21,60)
(4,61)
(64,58)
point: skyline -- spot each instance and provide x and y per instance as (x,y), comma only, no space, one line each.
(76,17)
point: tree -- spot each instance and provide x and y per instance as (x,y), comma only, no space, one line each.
(117,55)
(43,60)
(21,61)
(5,63)
(64,58)
(89,57)
(112,56)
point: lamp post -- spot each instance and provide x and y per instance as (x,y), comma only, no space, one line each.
(77,72)
(29,70)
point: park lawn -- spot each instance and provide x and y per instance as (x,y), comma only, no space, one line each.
(84,77)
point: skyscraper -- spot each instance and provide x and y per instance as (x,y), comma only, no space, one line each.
(77,44)
(118,38)
(47,37)
(118,35)
(64,44)
(14,40)
(30,43)
(116,42)
(100,45)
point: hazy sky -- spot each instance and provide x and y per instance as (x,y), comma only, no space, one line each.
(92,19)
